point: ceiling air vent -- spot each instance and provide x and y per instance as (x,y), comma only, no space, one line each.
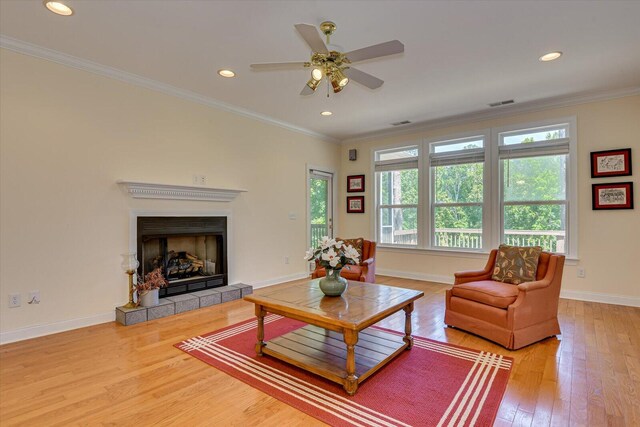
(499,103)
(404,122)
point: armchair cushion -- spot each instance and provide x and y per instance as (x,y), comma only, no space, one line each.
(516,264)
(356,243)
(489,292)
(351,272)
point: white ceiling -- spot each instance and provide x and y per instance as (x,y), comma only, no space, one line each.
(459,56)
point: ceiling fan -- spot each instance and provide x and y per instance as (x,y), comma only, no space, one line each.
(334,65)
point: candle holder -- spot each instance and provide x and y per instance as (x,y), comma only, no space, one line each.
(130,265)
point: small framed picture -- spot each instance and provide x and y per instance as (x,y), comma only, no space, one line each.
(611,163)
(355,204)
(613,195)
(355,183)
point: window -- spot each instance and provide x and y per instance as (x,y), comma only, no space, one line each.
(397,195)
(457,193)
(533,166)
(471,192)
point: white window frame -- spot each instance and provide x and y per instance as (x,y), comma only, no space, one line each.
(537,149)
(493,208)
(402,163)
(429,146)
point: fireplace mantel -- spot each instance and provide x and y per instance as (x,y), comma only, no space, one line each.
(145,190)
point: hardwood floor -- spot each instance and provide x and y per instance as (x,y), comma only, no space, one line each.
(115,375)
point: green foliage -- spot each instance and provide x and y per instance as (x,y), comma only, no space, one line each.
(459,184)
(400,188)
(319,194)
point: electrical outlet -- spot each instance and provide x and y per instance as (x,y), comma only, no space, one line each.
(34,297)
(581,273)
(286,260)
(14,300)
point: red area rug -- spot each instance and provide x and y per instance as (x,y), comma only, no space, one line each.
(433,384)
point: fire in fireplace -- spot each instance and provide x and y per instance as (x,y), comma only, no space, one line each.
(190,251)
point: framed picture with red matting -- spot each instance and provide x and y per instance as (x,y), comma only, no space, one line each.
(355,183)
(613,195)
(355,204)
(611,163)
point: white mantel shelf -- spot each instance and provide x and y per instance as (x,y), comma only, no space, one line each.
(145,190)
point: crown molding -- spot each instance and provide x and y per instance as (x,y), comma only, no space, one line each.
(513,110)
(145,190)
(30,49)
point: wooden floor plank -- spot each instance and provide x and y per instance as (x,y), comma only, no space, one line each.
(111,374)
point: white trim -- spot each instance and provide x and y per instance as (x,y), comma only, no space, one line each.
(277,280)
(601,298)
(146,190)
(444,280)
(30,49)
(56,327)
(494,113)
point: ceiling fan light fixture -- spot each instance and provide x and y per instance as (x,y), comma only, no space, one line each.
(316,74)
(336,84)
(313,83)
(59,8)
(340,77)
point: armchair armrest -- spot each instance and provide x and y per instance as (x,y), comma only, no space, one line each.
(367,261)
(484,274)
(531,286)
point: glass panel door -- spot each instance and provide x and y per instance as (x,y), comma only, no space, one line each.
(320,206)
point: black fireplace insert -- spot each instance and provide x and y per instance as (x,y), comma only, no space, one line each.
(190,251)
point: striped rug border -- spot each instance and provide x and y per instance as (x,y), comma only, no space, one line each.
(463,410)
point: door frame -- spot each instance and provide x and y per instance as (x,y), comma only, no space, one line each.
(334,198)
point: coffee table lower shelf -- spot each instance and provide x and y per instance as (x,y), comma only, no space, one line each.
(324,352)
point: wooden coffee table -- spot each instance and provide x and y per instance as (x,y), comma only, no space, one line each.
(336,343)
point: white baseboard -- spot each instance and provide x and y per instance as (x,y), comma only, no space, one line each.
(600,297)
(447,280)
(54,328)
(67,325)
(277,280)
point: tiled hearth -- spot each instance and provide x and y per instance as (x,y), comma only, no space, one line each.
(180,303)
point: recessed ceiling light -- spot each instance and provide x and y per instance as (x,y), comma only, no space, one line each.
(58,8)
(226,73)
(326,113)
(550,56)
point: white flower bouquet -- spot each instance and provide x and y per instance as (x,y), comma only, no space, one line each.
(332,254)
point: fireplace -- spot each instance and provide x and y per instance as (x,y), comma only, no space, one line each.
(190,251)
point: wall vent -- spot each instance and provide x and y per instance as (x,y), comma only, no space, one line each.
(499,103)
(404,122)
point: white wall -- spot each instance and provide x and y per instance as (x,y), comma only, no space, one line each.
(609,241)
(67,136)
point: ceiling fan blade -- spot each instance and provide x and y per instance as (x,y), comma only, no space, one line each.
(363,78)
(306,91)
(278,65)
(375,51)
(310,35)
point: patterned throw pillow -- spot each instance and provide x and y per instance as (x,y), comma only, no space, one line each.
(516,264)
(356,243)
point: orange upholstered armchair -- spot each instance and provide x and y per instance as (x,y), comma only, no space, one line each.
(514,316)
(363,272)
